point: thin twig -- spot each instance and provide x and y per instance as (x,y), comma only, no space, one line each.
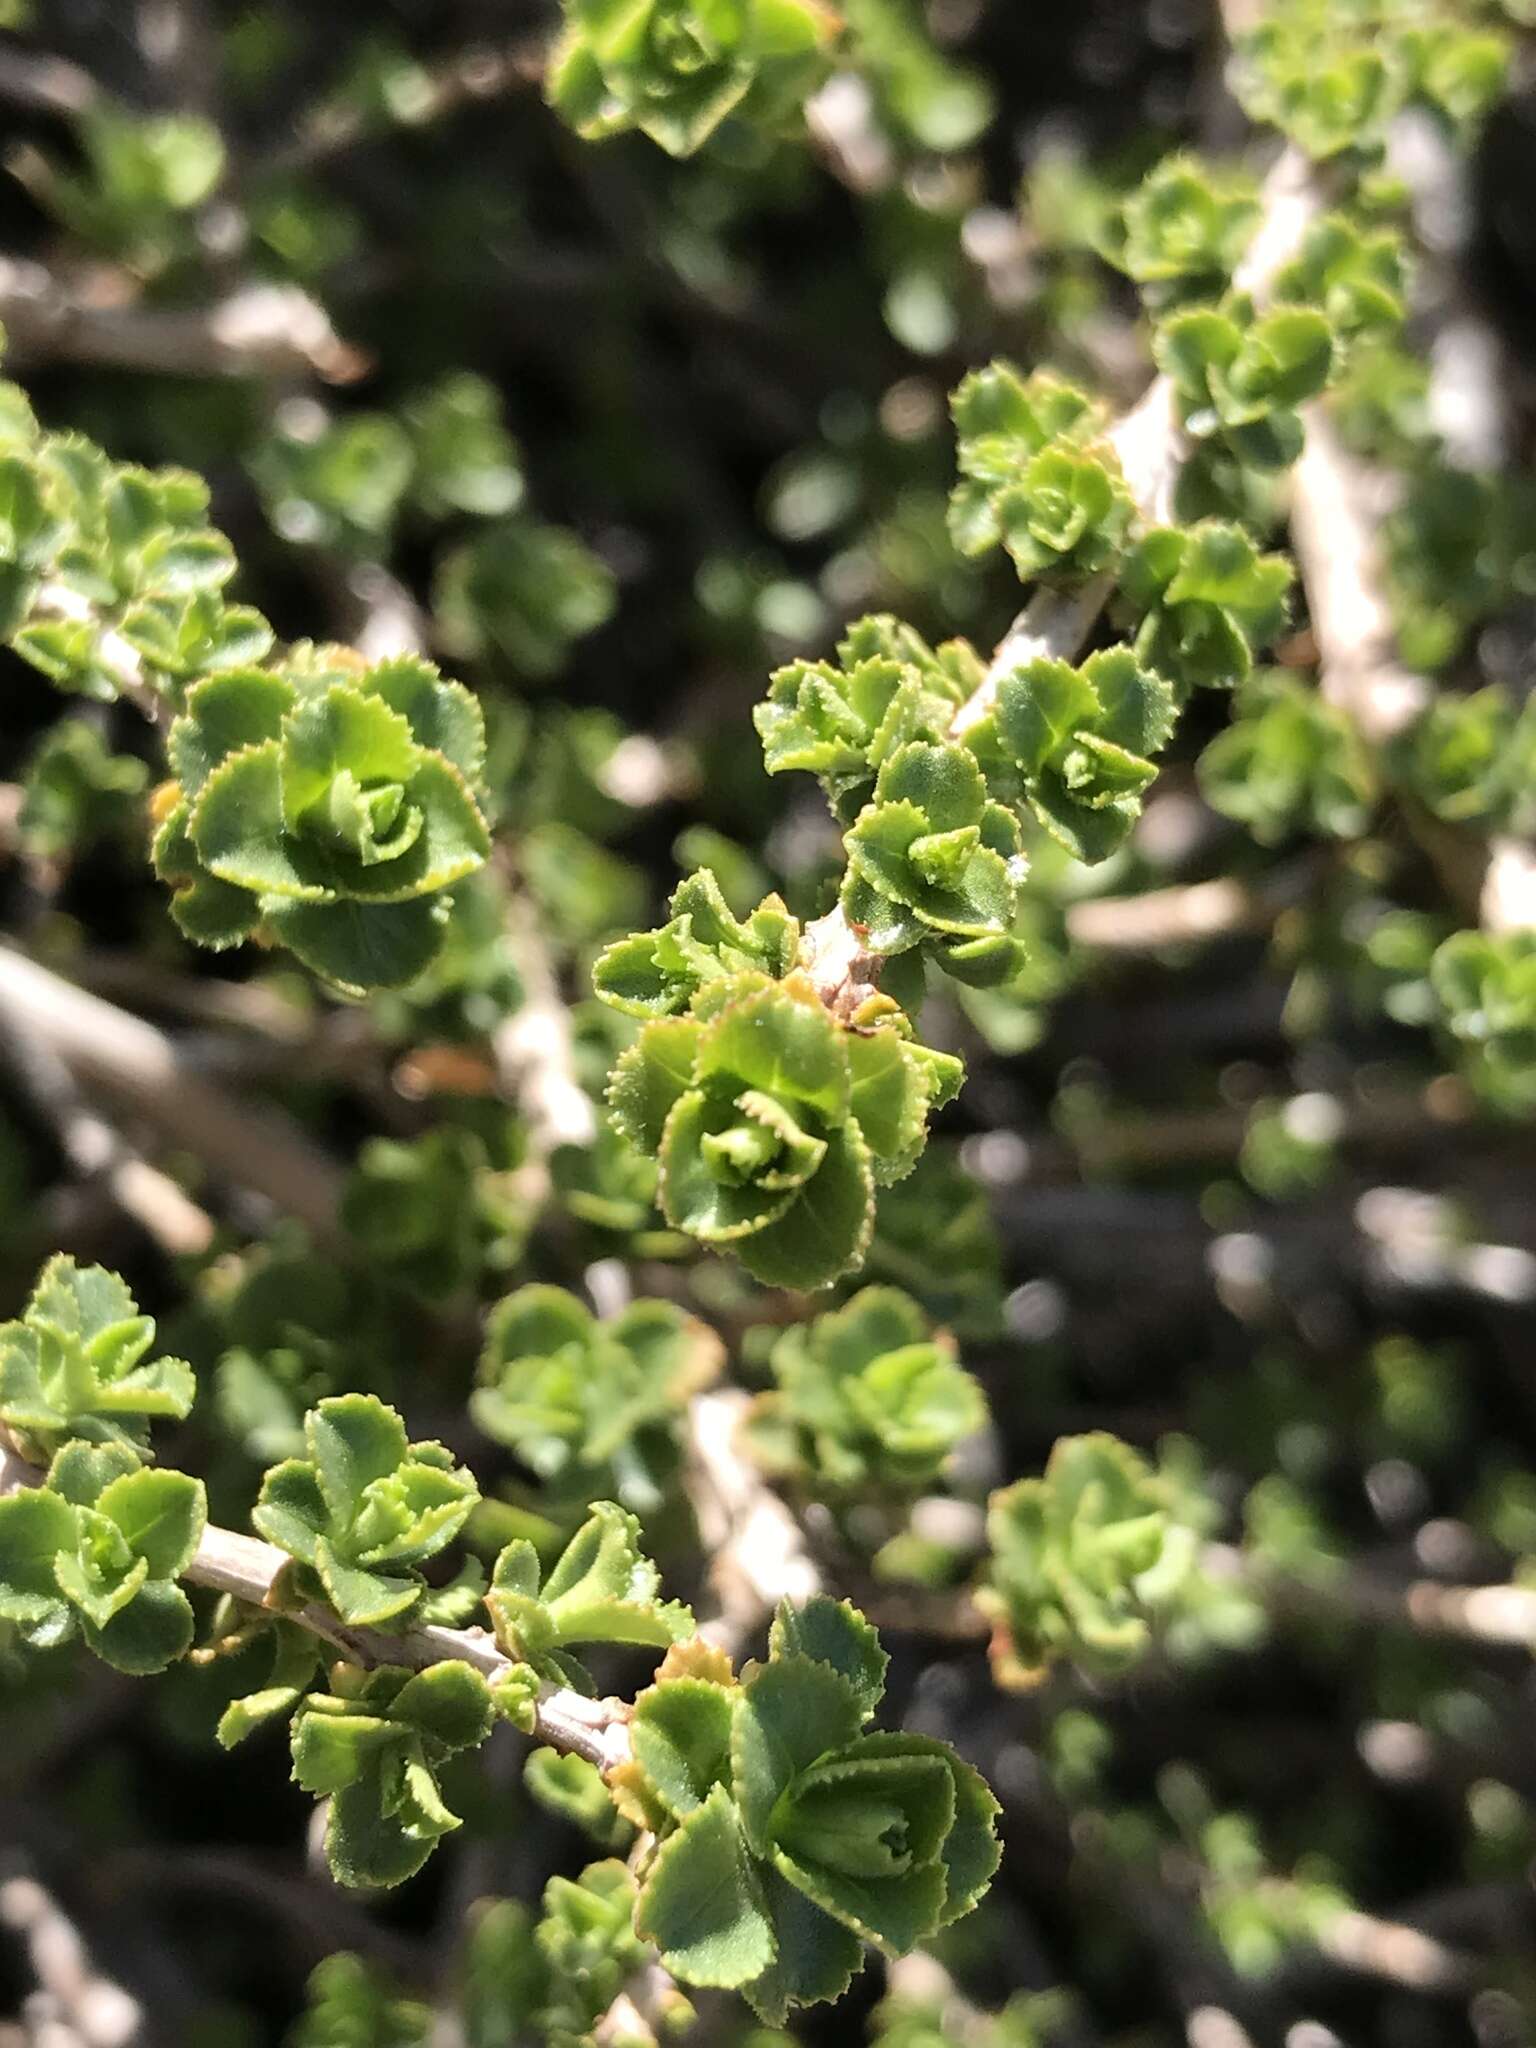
(253,1571)
(72,1993)
(93,1148)
(142,1072)
(757,1548)
(534,1050)
(472,77)
(259,330)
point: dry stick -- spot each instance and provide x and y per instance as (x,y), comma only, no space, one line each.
(71,1994)
(264,329)
(534,1050)
(1152,447)
(757,1546)
(1187,913)
(249,1570)
(143,1073)
(93,1148)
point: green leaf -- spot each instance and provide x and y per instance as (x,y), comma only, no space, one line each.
(833,1632)
(681,1736)
(354,1439)
(152,1632)
(817,1957)
(162,1516)
(788,1714)
(35,1528)
(448,1705)
(826,1228)
(701,1904)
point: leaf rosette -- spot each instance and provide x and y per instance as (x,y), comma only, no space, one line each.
(1034,478)
(658,973)
(773,1122)
(1075,745)
(601,1589)
(74,1365)
(869,1396)
(1081,1560)
(931,855)
(1181,232)
(1288,762)
(591,1405)
(97,1551)
(328,806)
(373,1748)
(364,1510)
(843,721)
(1485,984)
(1240,376)
(675,69)
(1206,599)
(789,1836)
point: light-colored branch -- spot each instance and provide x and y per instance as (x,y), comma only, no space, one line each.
(71,1993)
(756,1545)
(1151,445)
(1335,523)
(1186,914)
(259,330)
(142,1073)
(250,1570)
(534,1050)
(93,1148)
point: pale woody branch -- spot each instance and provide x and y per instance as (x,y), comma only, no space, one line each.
(259,330)
(145,1077)
(249,1570)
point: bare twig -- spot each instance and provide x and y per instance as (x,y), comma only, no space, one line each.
(144,1075)
(756,1545)
(259,330)
(1335,525)
(534,1050)
(71,1992)
(474,76)
(1187,914)
(253,1571)
(93,1148)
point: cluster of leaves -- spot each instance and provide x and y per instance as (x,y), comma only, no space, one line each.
(786,1834)
(868,1399)
(1084,1559)
(328,806)
(675,69)
(96,1552)
(1289,762)
(373,1748)
(548,1978)
(1037,476)
(74,1367)
(773,1122)
(1485,984)
(589,1406)
(364,1510)
(433,1212)
(601,1589)
(1334,77)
